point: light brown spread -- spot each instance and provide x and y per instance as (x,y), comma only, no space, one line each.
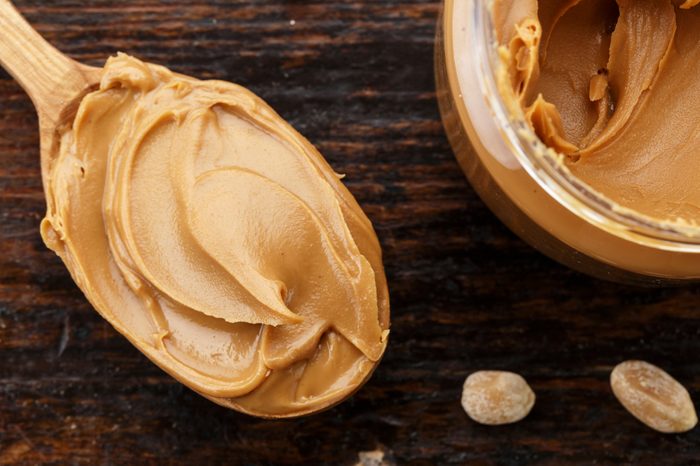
(218,240)
(614,86)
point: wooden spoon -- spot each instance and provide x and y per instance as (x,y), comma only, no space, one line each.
(55,83)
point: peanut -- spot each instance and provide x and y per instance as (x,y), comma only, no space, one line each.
(653,397)
(496,397)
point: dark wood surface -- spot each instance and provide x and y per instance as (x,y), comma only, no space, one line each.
(356,78)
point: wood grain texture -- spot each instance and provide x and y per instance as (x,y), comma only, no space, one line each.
(356,78)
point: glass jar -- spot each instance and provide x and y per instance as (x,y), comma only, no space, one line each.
(526,184)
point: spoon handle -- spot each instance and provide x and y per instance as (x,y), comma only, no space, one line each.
(50,78)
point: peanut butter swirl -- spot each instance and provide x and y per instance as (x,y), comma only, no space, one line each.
(613,84)
(218,240)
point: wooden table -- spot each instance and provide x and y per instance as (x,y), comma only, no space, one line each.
(356,78)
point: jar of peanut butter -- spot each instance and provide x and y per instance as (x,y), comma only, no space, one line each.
(575,123)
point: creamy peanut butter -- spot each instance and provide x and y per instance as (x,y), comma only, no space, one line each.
(613,85)
(218,241)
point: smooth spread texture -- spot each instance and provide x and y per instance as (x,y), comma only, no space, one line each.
(218,240)
(614,86)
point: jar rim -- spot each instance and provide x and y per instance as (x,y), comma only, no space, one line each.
(545,165)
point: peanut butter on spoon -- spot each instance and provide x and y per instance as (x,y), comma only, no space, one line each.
(218,241)
(613,85)
(216,238)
